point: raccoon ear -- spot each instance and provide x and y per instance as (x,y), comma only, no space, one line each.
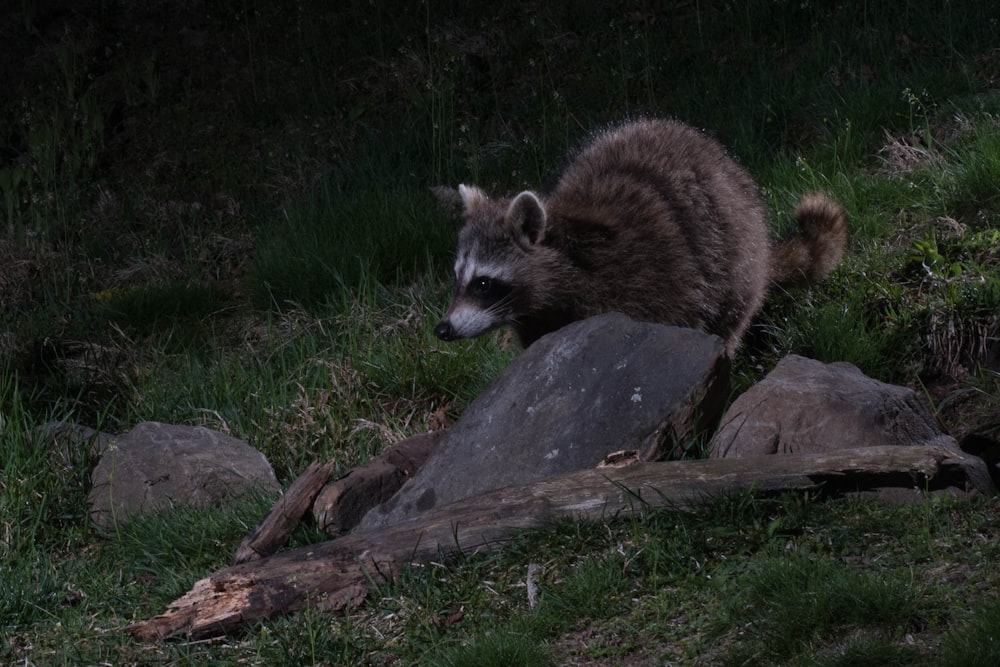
(449,199)
(472,197)
(526,218)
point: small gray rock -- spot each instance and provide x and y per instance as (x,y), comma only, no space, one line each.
(808,406)
(155,465)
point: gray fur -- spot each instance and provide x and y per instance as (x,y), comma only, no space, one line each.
(652,219)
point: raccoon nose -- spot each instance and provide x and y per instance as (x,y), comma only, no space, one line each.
(444,331)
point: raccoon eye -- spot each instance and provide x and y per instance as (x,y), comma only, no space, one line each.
(481,286)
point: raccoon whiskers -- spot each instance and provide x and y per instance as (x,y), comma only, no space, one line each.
(501,310)
(467,319)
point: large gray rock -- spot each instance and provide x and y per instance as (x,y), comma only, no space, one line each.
(596,386)
(156,465)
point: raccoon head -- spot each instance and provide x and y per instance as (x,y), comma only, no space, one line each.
(495,242)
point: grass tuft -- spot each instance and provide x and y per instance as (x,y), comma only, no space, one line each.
(976,644)
(792,601)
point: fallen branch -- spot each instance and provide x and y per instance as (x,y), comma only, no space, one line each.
(286,514)
(336,574)
(341,504)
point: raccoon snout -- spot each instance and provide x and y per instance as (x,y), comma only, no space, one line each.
(445,331)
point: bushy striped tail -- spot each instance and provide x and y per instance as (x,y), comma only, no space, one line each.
(818,245)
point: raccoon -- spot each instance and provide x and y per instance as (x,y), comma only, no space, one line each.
(650,218)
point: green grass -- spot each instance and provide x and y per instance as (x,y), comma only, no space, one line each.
(793,600)
(220,214)
(976,643)
(327,245)
(794,577)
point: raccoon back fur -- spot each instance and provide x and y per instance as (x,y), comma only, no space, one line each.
(652,219)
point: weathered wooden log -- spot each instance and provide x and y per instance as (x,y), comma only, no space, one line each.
(341,504)
(274,529)
(337,573)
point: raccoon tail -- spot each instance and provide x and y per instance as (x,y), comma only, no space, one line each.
(818,245)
